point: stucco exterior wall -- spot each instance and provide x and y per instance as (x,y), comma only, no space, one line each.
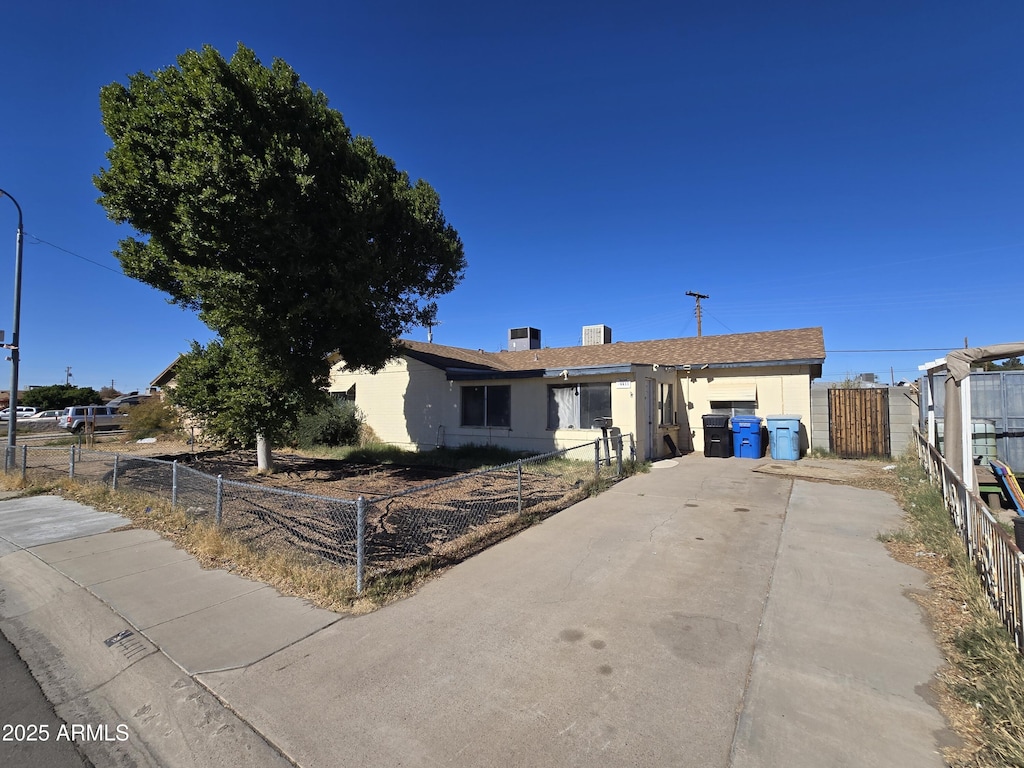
(413,405)
(403,403)
(780,390)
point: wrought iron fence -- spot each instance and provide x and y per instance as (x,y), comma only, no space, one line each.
(993,551)
(449,519)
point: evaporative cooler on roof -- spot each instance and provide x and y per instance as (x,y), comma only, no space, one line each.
(523,338)
(596,334)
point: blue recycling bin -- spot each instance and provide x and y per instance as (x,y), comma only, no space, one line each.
(746,437)
(784,437)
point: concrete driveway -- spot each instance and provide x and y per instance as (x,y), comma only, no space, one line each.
(700,615)
(703,614)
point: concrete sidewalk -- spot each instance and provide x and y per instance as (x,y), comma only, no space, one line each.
(703,614)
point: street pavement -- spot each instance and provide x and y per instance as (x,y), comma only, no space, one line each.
(23,703)
(703,614)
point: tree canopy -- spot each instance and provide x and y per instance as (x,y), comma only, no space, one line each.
(57,396)
(257,208)
(1010,364)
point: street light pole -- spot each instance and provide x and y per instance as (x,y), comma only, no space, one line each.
(12,413)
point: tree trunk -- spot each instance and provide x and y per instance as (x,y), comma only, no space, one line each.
(264,459)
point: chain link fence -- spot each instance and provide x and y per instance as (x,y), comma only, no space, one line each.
(447,520)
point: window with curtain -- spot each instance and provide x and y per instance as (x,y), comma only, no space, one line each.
(575,406)
(487,406)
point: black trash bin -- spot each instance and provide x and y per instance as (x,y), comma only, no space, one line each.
(717,436)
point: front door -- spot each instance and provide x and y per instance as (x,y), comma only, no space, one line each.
(651,408)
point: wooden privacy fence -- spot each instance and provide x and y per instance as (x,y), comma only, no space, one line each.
(858,422)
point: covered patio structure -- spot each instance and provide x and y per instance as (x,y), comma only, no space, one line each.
(956,367)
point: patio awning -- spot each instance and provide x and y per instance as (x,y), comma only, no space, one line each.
(732,391)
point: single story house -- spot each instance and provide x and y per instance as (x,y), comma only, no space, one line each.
(537,399)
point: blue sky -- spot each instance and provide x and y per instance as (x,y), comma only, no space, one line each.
(856,166)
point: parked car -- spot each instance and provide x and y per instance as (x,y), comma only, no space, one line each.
(24,412)
(95,417)
(45,415)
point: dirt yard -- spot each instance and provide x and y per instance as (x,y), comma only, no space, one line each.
(453,515)
(318,477)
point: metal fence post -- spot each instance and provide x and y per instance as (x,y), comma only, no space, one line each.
(24,460)
(113,479)
(71,464)
(360,543)
(597,459)
(218,514)
(7,458)
(618,455)
(519,485)
(632,448)
(174,483)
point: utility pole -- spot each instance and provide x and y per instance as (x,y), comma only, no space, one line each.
(12,422)
(698,297)
(67,376)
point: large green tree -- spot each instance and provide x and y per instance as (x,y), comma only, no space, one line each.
(292,239)
(57,396)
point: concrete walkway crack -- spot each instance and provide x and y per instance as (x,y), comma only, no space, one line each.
(741,710)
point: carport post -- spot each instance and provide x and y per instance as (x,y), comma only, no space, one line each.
(71,464)
(360,543)
(218,514)
(174,483)
(113,479)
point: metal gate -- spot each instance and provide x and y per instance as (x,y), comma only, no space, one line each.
(858,421)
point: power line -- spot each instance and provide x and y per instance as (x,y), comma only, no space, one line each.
(917,349)
(76,255)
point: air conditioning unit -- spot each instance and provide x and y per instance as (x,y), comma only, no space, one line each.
(523,338)
(596,334)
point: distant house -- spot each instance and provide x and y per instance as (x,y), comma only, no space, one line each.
(536,399)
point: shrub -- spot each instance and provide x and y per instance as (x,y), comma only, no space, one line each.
(152,417)
(334,424)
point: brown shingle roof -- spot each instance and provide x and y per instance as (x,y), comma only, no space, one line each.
(441,356)
(759,347)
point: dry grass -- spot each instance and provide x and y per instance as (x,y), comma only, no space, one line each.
(289,571)
(981,690)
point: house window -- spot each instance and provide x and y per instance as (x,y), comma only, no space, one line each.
(575,406)
(734,407)
(666,407)
(487,406)
(347,396)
